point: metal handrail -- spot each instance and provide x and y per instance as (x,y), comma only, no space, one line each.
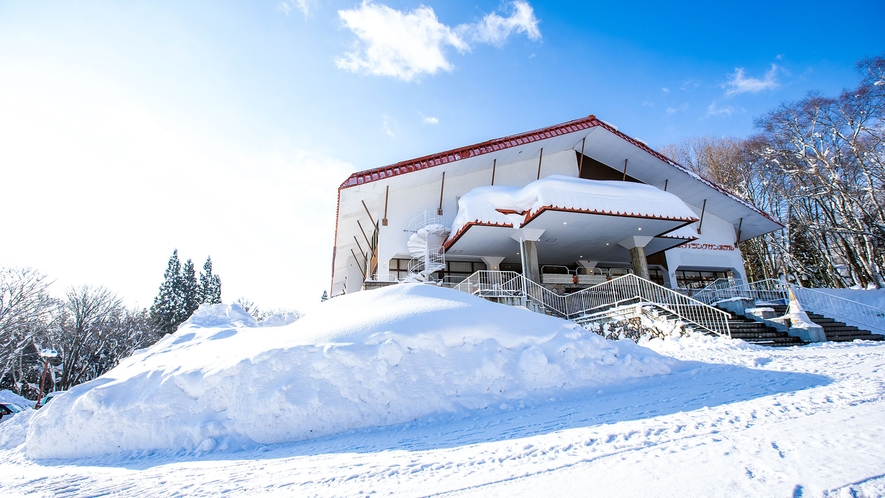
(814,300)
(768,289)
(719,283)
(631,287)
(567,270)
(845,310)
(489,283)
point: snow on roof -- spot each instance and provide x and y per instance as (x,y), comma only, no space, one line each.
(513,206)
(365,359)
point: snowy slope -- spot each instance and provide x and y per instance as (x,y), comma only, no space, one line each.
(730,419)
(367,359)
(736,421)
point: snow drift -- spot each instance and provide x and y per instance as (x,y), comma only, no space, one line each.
(366,359)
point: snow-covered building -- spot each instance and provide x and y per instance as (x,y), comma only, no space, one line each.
(569,206)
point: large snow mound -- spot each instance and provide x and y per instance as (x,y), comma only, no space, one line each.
(372,358)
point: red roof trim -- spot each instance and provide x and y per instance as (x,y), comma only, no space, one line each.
(531,216)
(479,149)
(461,231)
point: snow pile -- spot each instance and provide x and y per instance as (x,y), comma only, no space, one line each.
(7,396)
(367,359)
(501,205)
(14,429)
(797,315)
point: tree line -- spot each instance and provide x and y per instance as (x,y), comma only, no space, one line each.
(818,166)
(90,327)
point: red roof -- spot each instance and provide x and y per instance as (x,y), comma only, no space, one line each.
(403,167)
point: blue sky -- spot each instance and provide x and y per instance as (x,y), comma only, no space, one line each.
(128,129)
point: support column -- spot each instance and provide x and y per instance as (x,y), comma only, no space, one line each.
(532,270)
(640,264)
(636,245)
(528,251)
(493,263)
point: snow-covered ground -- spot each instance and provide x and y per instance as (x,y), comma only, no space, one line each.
(687,417)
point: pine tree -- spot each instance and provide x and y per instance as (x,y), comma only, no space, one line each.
(210,285)
(325,296)
(167,311)
(190,290)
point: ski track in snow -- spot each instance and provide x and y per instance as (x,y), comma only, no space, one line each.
(741,422)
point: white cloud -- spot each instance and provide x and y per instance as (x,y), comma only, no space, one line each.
(305,6)
(689,84)
(428,119)
(681,108)
(665,90)
(714,109)
(385,125)
(495,30)
(407,44)
(742,84)
(397,44)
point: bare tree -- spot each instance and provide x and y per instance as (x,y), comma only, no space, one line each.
(84,327)
(25,307)
(818,165)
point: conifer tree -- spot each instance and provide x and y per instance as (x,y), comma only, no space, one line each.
(168,309)
(190,290)
(181,293)
(210,285)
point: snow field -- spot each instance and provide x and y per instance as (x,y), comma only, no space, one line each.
(731,421)
(378,358)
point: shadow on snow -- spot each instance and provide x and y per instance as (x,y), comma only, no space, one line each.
(691,386)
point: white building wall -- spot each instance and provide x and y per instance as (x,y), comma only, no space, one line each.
(715,248)
(520,174)
(406,204)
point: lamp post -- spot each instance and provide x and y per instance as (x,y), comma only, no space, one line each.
(46,354)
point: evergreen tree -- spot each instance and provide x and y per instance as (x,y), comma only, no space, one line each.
(210,285)
(168,309)
(181,293)
(190,290)
(325,296)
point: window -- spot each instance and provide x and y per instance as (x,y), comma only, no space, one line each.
(696,279)
(399,268)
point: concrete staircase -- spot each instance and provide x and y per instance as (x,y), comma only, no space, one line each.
(835,331)
(758,333)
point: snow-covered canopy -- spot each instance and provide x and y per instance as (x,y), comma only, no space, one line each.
(501,205)
(365,359)
(570,210)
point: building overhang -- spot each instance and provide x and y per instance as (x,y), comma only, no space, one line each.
(569,236)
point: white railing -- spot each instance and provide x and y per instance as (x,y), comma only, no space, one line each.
(845,310)
(631,288)
(704,295)
(762,290)
(624,289)
(814,300)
